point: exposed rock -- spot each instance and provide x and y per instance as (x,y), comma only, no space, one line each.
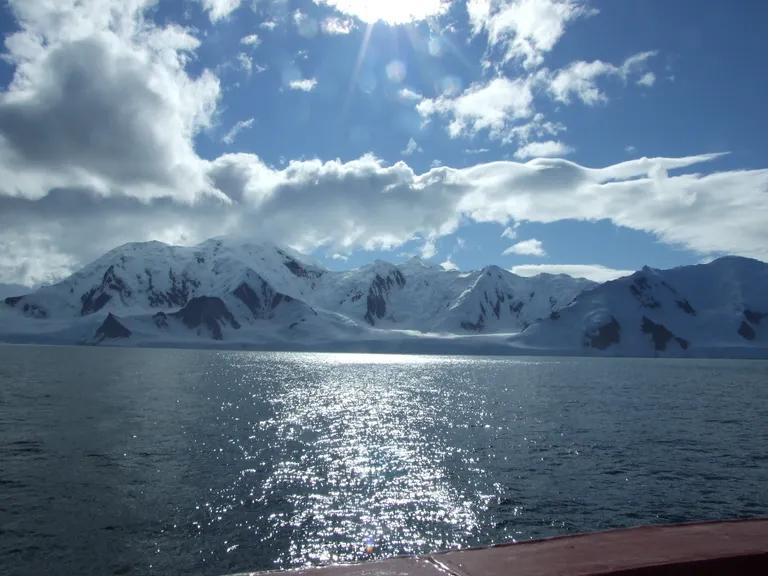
(98,296)
(376,307)
(754,317)
(207,311)
(643,292)
(13,300)
(746,331)
(29,309)
(686,307)
(605,335)
(297,269)
(160,319)
(661,335)
(112,329)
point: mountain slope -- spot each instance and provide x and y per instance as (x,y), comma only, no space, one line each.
(708,308)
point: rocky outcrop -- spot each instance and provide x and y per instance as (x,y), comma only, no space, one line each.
(259,297)
(660,335)
(604,335)
(111,329)
(376,305)
(98,296)
(207,312)
(178,293)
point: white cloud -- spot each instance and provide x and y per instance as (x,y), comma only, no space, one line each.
(239,126)
(524,30)
(337,26)
(428,250)
(306,26)
(531,247)
(509,233)
(448,264)
(409,95)
(245,62)
(250,40)
(101,99)
(580,78)
(390,11)
(303,85)
(268,25)
(594,272)
(220,9)
(548,148)
(411,148)
(648,79)
(366,204)
(493,106)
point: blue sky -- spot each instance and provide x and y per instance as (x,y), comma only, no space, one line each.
(238,110)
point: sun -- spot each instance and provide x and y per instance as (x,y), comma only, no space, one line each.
(392,12)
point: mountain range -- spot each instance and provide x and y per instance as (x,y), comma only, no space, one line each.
(235,294)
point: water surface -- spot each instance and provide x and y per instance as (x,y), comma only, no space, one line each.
(128,461)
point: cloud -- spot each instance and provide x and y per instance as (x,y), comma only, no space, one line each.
(229,137)
(530,247)
(648,79)
(363,203)
(337,26)
(409,95)
(580,78)
(219,9)
(524,30)
(549,148)
(411,148)
(509,233)
(306,26)
(594,272)
(250,40)
(101,99)
(448,264)
(303,85)
(493,107)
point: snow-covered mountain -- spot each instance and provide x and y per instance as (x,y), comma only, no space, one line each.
(251,295)
(248,293)
(720,308)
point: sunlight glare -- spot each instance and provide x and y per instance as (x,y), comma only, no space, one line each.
(392,12)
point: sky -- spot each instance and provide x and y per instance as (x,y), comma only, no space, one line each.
(582,137)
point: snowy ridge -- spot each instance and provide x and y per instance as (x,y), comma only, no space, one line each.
(258,295)
(719,308)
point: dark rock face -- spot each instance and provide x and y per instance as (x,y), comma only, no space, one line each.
(297,269)
(661,335)
(262,300)
(746,331)
(112,329)
(643,292)
(751,316)
(209,312)
(13,300)
(98,296)
(182,287)
(686,307)
(605,335)
(160,319)
(29,309)
(377,295)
